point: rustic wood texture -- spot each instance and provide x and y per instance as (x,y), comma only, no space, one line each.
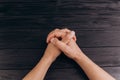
(56,74)
(24,25)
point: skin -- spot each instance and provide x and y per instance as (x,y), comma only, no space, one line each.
(93,71)
(50,54)
(59,33)
(70,48)
(39,71)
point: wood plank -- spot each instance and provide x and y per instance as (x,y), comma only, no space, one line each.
(19,58)
(114,71)
(27,1)
(28,58)
(86,16)
(98,38)
(19,74)
(77,73)
(26,9)
(67,73)
(35,38)
(12,74)
(57,74)
(83,22)
(60,0)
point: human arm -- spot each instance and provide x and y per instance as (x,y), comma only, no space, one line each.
(39,71)
(51,53)
(93,71)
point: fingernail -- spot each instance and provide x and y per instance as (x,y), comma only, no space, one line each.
(73,32)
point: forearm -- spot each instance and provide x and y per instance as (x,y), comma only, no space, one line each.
(93,71)
(39,71)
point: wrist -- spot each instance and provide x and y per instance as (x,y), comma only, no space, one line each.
(79,57)
(51,52)
(50,57)
(47,59)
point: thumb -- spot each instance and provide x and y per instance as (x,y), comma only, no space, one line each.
(61,45)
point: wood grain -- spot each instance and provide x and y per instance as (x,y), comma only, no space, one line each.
(25,24)
(28,58)
(61,74)
(86,15)
(37,38)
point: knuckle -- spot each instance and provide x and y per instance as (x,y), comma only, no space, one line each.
(56,29)
(66,29)
(56,42)
(51,33)
(68,37)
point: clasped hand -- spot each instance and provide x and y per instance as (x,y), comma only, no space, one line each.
(65,40)
(62,40)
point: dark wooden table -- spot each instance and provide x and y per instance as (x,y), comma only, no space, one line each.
(24,25)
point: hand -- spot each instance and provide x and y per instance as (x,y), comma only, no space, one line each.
(53,52)
(68,45)
(70,49)
(58,33)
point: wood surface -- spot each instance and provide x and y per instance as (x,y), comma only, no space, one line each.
(24,25)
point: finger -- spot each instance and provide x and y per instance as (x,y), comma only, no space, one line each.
(66,30)
(61,45)
(57,33)
(68,37)
(74,37)
(52,34)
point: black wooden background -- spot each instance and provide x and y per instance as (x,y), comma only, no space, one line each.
(24,25)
